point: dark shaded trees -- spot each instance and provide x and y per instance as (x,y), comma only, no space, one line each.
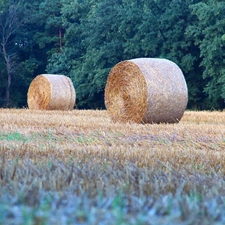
(34,37)
(11,19)
(207,33)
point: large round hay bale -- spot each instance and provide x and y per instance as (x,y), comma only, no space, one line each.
(51,92)
(146,90)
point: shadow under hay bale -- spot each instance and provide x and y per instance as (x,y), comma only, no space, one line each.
(146,90)
(51,92)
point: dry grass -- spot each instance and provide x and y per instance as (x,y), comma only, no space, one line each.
(84,169)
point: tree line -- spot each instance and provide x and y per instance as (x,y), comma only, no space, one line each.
(84,39)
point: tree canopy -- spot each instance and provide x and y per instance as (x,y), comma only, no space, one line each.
(84,39)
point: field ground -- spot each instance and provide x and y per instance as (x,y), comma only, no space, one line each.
(77,167)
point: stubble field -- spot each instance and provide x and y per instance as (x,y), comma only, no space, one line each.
(77,167)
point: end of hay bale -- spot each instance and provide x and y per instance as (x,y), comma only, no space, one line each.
(146,90)
(51,92)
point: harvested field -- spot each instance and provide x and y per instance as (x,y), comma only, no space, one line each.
(78,167)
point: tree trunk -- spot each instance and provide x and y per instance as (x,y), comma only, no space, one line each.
(8,69)
(60,39)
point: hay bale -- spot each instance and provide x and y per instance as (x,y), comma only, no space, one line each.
(146,90)
(51,92)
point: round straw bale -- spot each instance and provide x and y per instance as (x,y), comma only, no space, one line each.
(51,92)
(146,90)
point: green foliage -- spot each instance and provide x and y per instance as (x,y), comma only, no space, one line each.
(124,30)
(12,136)
(207,31)
(223,37)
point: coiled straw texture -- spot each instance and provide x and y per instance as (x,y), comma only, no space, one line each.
(51,92)
(146,90)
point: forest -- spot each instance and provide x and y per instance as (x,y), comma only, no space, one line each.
(84,39)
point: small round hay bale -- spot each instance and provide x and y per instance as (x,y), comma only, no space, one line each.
(51,92)
(146,90)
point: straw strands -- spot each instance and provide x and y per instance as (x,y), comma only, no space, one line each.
(146,90)
(51,92)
